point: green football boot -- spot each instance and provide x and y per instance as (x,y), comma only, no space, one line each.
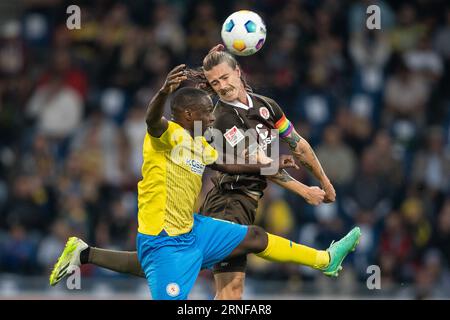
(339,250)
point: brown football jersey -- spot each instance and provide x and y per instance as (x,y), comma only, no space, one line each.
(233,122)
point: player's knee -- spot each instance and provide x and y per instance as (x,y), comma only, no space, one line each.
(232,291)
(257,239)
(229,294)
(235,294)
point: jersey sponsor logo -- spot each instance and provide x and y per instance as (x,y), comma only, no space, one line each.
(264,136)
(233,136)
(264,112)
(195,166)
(173,289)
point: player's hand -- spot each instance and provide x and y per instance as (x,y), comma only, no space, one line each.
(314,196)
(330,193)
(174,79)
(287,161)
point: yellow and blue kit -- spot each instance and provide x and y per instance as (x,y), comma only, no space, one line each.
(173,243)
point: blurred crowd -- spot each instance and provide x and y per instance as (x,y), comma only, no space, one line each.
(374,104)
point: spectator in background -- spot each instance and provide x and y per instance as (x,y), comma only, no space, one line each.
(18,251)
(424,61)
(40,160)
(167,28)
(12,49)
(315,105)
(74,212)
(202,31)
(405,109)
(430,280)
(123,66)
(390,167)
(441,234)
(155,71)
(431,166)
(29,205)
(135,129)
(70,177)
(408,30)
(418,224)
(119,225)
(57,104)
(100,142)
(356,130)
(56,108)
(367,253)
(63,69)
(282,64)
(369,52)
(368,190)
(337,159)
(327,48)
(395,248)
(114,26)
(441,43)
(52,244)
(284,58)
(275,213)
(84,40)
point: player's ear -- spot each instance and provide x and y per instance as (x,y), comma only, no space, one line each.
(188,114)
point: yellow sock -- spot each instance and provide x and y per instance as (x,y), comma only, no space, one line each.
(283,250)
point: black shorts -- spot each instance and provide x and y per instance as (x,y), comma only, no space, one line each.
(234,206)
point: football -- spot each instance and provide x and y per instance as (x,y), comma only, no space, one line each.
(243,33)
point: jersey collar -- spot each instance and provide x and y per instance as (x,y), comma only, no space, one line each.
(241,105)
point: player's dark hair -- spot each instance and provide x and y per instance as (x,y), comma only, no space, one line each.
(211,60)
(187,97)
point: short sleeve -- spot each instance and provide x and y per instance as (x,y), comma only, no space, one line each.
(174,135)
(276,109)
(281,122)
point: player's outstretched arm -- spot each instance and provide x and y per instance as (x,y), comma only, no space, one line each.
(156,123)
(312,195)
(303,152)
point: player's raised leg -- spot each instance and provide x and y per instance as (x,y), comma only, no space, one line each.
(278,249)
(222,239)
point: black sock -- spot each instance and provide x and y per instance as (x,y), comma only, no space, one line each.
(84,255)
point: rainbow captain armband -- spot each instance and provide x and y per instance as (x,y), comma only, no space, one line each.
(284,126)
